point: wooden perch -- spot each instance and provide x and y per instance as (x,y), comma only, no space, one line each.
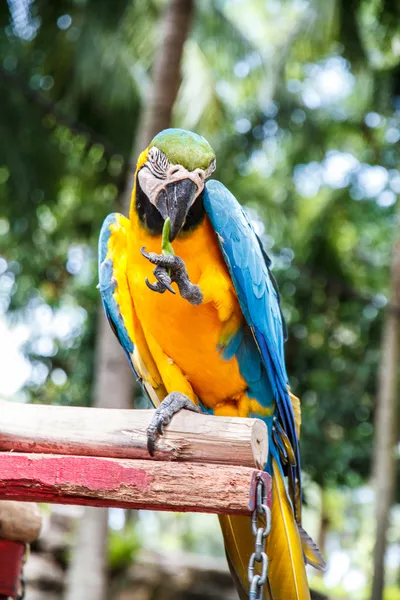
(122,434)
(20,521)
(125,483)
(99,457)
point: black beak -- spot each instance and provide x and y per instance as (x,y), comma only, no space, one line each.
(175,203)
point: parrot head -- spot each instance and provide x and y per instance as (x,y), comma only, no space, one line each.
(170,179)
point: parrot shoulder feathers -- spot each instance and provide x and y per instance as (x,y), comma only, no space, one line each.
(119,306)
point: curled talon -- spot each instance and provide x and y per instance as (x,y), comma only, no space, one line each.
(169,288)
(163,281)
(156,287)
(151,441)
(163,277)
(161,260)
(172,269)
(155,259)
(144,253)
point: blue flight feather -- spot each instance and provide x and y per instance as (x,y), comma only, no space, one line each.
(107,286)
(259,300)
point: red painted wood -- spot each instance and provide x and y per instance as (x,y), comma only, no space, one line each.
(95,474)
(11,560)
(125,483)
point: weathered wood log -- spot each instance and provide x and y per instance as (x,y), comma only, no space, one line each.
(20,521)
(125,483)
(122,434)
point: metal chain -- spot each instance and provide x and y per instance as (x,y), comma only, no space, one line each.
(260,533)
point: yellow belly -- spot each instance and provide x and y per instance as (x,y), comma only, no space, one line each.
(188,335)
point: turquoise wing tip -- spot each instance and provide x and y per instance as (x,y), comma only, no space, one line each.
(108,284)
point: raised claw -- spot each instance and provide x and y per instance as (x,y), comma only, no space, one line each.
(156,287)
(162,283)
(144,253)
(169,288)
(156,259)
(163,260)
(161,274)
(172,269)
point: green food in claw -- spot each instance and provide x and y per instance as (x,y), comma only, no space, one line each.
(166,246)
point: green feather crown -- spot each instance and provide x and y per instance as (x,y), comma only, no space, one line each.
(184,148)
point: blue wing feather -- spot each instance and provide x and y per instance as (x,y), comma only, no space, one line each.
(259,300)
(107,286)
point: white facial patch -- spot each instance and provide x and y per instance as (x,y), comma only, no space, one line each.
(158,173)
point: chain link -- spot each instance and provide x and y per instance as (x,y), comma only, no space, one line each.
(257,580)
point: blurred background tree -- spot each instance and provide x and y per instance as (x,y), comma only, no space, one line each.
(301,101)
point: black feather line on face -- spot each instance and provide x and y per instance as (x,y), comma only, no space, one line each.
(157,174)
(147,212)
(150,217)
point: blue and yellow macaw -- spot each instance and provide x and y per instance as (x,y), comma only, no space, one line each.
(208,333)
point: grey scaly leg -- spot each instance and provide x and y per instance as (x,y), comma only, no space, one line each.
(172,404)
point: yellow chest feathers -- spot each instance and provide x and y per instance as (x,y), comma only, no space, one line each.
(188,335)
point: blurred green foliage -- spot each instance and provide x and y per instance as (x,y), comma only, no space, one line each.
(301,102)
(122,547)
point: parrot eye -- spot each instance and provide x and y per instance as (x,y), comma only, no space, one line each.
(158,162)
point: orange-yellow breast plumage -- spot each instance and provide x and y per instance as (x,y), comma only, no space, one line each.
(189,335)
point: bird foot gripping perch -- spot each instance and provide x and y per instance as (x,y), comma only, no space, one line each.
(172,404)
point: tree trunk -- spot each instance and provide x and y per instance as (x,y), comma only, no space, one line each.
(157,111)
(385,427)
(87,576)
(113,378)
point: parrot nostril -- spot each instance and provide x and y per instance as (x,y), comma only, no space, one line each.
(174,169)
